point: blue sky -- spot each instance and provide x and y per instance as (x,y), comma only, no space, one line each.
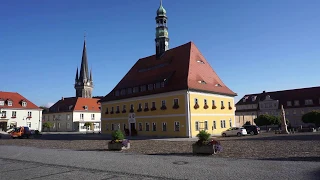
(253,45)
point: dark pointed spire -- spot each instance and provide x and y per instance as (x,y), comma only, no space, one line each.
(84,64)
(77,74)
(91,75)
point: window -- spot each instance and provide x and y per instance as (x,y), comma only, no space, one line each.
(229,104)
(112,109)
(195,100)
(123,92)
(9,103)
(143,88)
(3,113)
(85,107)
(176,101)
(124,107)
(147,126)
(14,113)
(230,122)
(205,102)
(92,116)
(214,125)
(150,86)
(289,103)
(29,114)
(107,127)
(132,107)
(222,104)
(68,117)
(124,126)
(205,125)
(163,103)
(162,84)
(140,126)
(118,126)
(153,104)
(118,108)
(213,104)
(158,85)
(29,124)
(129,90)
(24,104)
(1,103)
(164,126)
(197,126)
(54,126)
(146,105)
(176,126)
(308,102)
(112,127)
(296,103)
(68,125)
(81,116)
(154,126)
(223,123)
(139,106)
(117,93)
(200,61)
(135,89)
(58,125)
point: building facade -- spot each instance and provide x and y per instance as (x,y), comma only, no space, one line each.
(296,103)
(174,93)
(17,111)
(70,114)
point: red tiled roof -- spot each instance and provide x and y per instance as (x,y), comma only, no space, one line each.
(75,104)
(178,68)
(287,95)
(17,100)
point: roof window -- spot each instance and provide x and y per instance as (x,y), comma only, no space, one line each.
(9,103)
(200,61)
(218,85)
(202,82)
(85,107)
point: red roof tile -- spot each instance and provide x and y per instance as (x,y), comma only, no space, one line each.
(177,68)
(75,104)
(17,100)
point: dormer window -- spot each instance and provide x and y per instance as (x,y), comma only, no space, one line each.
(308,102)
(158,85)
(296,103)
(135,89)
(150,87)
(123,92)
(218,85)
(202,82)
(129,91)
(24,104)
(85,107)
(1,102)
(289,103)
(117,93)
(143,88)
(253,98)
(9,103)
(70,107)
(200,61)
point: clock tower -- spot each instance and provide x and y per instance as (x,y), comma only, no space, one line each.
(83,81)
(162,38)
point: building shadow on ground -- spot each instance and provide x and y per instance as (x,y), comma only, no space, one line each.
(314,174)
(283,137)
(310,159)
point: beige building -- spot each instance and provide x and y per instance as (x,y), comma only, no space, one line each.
(296,102)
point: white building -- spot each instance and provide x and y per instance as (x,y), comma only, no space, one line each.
(17,111)
(71,114)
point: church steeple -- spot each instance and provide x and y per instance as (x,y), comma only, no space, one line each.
(84,82)
(162,37)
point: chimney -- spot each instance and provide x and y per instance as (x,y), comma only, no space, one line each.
(62,98)
(263,92)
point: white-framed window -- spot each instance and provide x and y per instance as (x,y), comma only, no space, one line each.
(29,124)
(150,86)
(143,88)
(132,106)
(118,108)
(308,102)
(197,125)
(164,126)
(158,85)
(222,104)
(124,126)
(1,103)
(223,123)
(135,89)
(140,128)
(24,104)
(195,100)
(230,122)
(68,116)
(29,114)
(214,126)
(147,126)
(146,105)
(54,125)
(85,107)
(176,126)
(124,107)
(112,109)
(129,91)
(213,103)
(163,103)
(81,116)
(107,127)
(296,103)
(112,127)
(123,92)
(14,113)
(175,101)
(92,116)
(229,104)
(154,126)
(118,126)
(205,102)
(9,103)
(153,104)
(3,113)
(205,125)
(289,103)
(59,126)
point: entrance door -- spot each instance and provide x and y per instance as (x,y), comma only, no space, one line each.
(133,130)
(3,126)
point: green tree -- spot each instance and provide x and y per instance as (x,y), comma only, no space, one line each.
(87,124)
(117,135)
(47,125)
(247,123)
(312,117)
(267,120)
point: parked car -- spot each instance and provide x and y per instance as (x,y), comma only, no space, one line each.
(21,132)
(252,129)
(234,131)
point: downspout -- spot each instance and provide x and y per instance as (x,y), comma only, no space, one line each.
(189,114)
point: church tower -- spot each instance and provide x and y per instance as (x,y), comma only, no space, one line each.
(162,38)
(84,81)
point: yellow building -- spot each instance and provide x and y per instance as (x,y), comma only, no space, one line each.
(174,93)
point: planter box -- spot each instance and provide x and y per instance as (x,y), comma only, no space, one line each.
(117,146)
(204,149)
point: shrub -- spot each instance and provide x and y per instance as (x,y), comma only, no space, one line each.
(203,135)
(117,135)
(36,132)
